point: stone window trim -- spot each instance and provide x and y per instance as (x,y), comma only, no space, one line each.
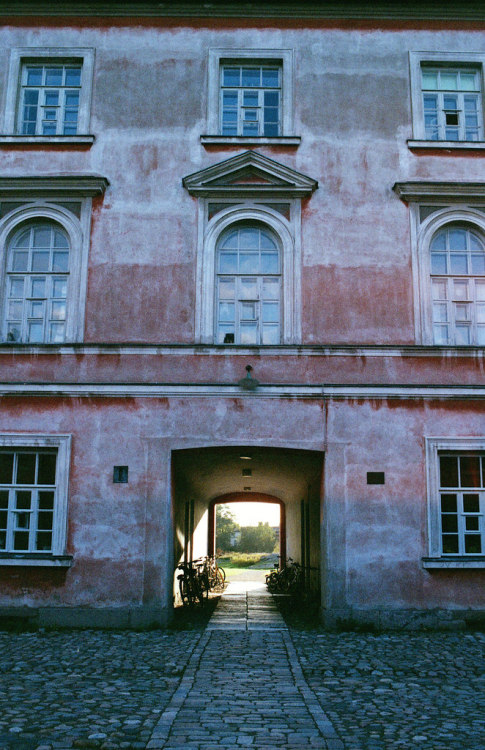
(282,57)
(58,557)
(287,233)
(433,447)
(38,196)
(458,203)
(445,59)
(21,55)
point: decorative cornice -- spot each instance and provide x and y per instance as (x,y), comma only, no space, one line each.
(449,191)
(228,390)
(378,9)
(249,174)
(441,353)
(73,185)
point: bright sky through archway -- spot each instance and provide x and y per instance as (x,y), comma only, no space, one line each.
(250,514)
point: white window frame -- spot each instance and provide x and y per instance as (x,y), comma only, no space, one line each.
(78,232)
(281,57)
(422,234)
(435,446)
(417,60)
(62,443)
(43,55)
(287,233)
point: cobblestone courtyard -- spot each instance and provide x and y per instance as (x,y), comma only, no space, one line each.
(253,683)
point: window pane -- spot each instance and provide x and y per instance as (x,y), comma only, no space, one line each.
(441,335)
(469,82)
(53,77)
(429,80)
(471,503)
(460,290)
(249,288)
(251,77)
(226,289)
(226,311)
(449,504)
(438,263)
(56,333)
(26,468)
(473,544)
(457,239)
(59,288)
(249,262)
(271,334)
(35,333)
(458,263)
(231,76)
(40,261)
(462,335)
(228,262)
(6,468)
(469,471)
(271,312)
(46,500)
(439,242)
(450,544)
(58,310)
(440,312)
(462,312)
(15,310)
(448,81)
(60,262)
(449,523)
(271,77)
(21,540)
(23,501)
(16,287)
(248,311)
(472,523)
(20,261)
(267,242)
(250,98)
(4,499)
(33,76)
(271,288)
(47,468)
(478,264)
(44,541)
(448,472)
(225,334)
(269,262)
(36,310)
(73,77)
(249,333)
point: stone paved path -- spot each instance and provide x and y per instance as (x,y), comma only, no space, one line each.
(243,686)
(233,685)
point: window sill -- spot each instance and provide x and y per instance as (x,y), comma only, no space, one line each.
(469,562)
(447,145)
(35,560)
(55,140)
(244,140)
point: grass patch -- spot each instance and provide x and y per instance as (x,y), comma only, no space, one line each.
(241,559)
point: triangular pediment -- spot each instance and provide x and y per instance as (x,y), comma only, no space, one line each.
(249,174)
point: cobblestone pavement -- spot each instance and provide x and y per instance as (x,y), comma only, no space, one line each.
(228,686)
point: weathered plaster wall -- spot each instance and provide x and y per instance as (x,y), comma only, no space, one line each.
(352,109)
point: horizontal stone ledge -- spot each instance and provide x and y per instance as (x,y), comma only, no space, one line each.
(46,140)
(446,563)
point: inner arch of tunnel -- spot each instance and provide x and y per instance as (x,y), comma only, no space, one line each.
(245,497)
(292,477)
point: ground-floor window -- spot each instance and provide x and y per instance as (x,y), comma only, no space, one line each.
(33,493)
(456,496)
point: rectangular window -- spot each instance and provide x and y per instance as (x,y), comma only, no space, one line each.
(49,93)
(447,99)
(33,494)
(456,502)
(452,103)
(250,96)
(49,99)
(462,503)
(250,100)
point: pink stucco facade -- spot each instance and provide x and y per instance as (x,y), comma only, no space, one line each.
(357,384)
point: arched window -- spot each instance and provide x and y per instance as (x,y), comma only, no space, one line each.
(37,276)
(458,285)
(248,286)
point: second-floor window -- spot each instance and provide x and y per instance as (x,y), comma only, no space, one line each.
(37,284)
(49,99)
(248,305)
(452,106)
(250,100)
(458,286)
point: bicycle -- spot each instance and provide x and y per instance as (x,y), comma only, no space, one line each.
(190,583)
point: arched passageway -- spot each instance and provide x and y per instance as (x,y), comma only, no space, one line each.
(292,478)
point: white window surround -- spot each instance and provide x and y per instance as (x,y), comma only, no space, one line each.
(58,555)
(435,445)
(422,235)
(441,59)
(78,231)
(21,55)
(282,57)
(288,233)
